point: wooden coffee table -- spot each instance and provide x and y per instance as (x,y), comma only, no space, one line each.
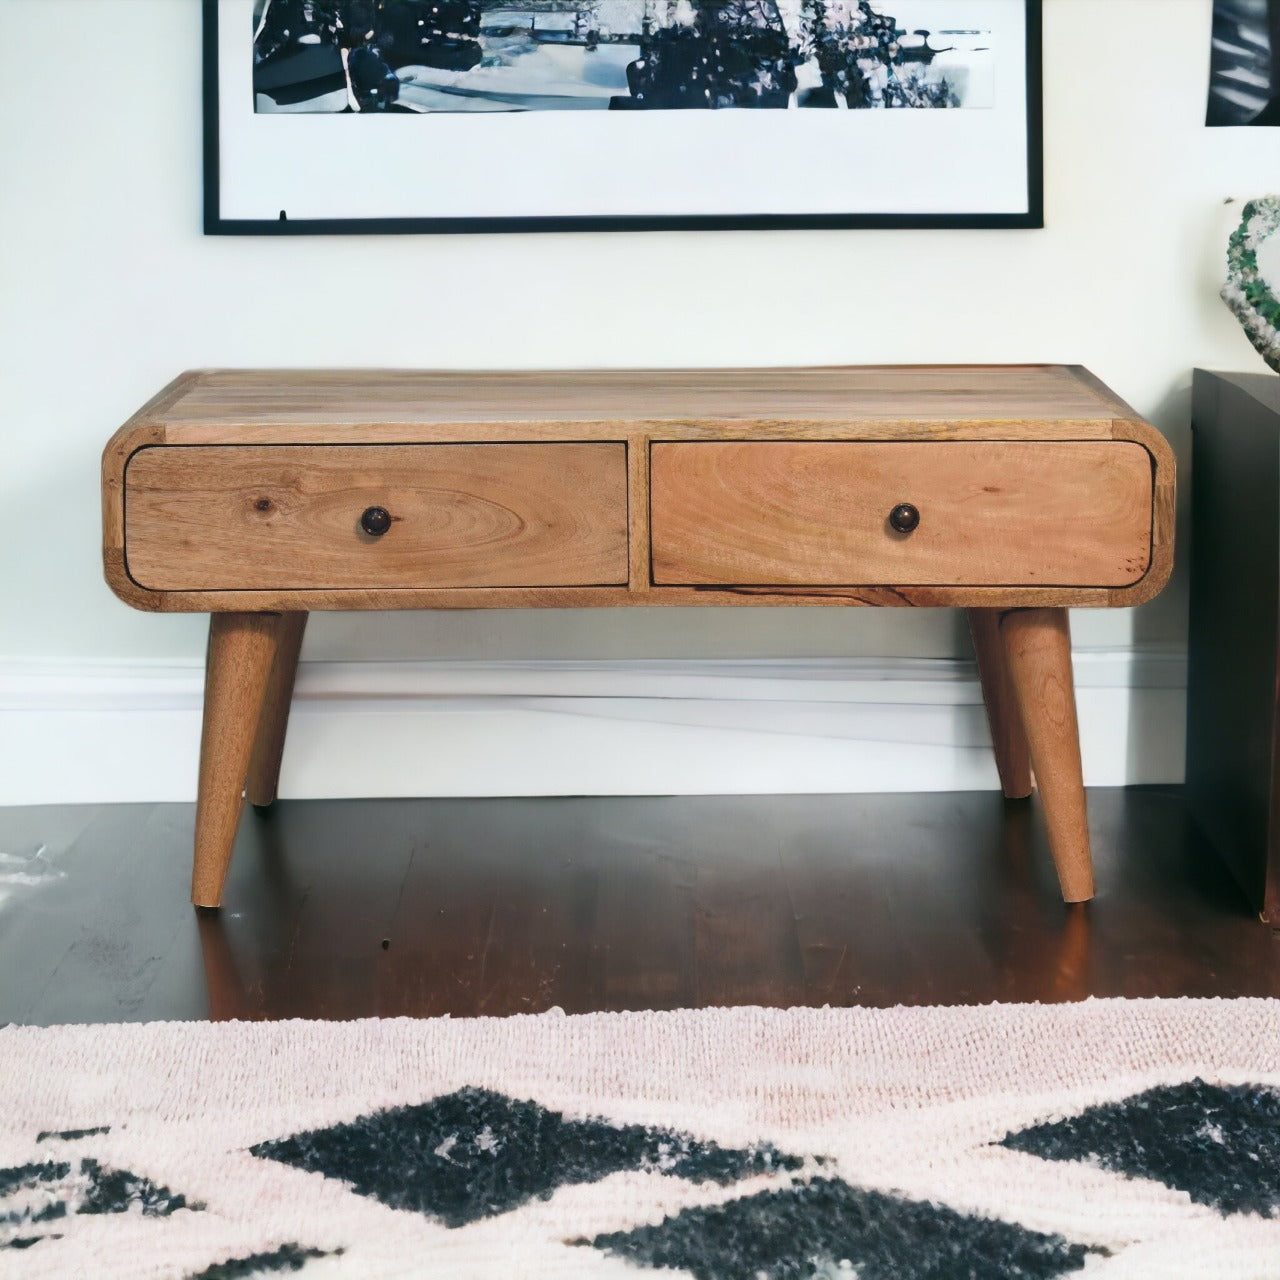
(1014,492)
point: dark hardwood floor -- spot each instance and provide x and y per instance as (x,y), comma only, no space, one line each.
(344,909)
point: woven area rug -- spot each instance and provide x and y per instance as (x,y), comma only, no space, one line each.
(1110,1138)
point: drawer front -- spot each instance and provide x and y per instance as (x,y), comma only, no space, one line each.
(1051,513)
(241,517)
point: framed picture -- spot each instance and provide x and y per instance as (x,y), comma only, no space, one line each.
(327,116)
(1244,65)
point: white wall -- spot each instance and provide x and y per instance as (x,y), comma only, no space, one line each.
(108,289)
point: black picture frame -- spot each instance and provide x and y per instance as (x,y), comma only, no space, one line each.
(1244,67)
(215,223)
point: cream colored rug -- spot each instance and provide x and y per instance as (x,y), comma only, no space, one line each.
(1110,1138)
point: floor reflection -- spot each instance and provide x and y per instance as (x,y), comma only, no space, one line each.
(228,1000)
(469,909)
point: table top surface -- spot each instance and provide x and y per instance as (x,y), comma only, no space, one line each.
(927,393)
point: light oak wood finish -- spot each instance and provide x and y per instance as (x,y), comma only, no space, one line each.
(237,518)
(900,404)
(238,492)
(1008,738)
(1037,644)
(242,648)
(273,723)
(816,513)
(271,401)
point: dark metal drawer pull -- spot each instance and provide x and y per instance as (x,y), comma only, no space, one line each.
(904,517)
(375,521)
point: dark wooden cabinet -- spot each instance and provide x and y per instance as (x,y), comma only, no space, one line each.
(1233,680)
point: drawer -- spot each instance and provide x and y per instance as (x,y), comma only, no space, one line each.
(288,517)
(1037,513)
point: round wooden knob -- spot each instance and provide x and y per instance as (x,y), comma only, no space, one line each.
(375,521)
(904,517)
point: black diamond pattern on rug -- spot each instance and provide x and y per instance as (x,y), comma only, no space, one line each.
(118,1191)
(1218,1143)
(37,1194)
(28,1176)
(474,1153)
(828,1229)
(288,1257)
(72,1135)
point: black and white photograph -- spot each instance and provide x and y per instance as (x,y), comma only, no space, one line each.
(656,55)
(620,114)
(1244,80)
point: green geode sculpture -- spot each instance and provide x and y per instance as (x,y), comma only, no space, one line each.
(1247,291)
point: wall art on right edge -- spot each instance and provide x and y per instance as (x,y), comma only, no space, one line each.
(1244,78)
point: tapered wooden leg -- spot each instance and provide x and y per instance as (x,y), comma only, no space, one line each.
(1037,645)
(268,747)
(1007,737)
(242,647)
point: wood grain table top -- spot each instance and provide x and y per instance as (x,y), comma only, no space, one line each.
(202,405)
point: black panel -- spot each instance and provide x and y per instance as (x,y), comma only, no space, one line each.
(1235,591)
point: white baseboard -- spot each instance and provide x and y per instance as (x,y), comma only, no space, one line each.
(92,732)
